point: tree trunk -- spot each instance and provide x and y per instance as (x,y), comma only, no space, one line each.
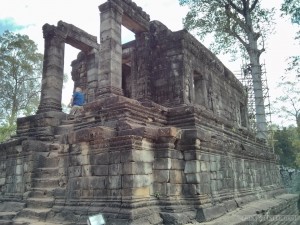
(256,72)
(261,123)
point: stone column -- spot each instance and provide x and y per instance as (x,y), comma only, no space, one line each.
(92,74)
(110,78)
(53,70)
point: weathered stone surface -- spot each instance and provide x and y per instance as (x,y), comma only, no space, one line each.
(160,140)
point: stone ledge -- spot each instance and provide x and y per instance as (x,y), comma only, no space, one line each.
(262,212)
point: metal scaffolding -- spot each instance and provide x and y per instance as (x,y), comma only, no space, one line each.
(245,77)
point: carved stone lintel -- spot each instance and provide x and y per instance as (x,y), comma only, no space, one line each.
(109,90)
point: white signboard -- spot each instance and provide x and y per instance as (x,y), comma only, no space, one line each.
(96,220)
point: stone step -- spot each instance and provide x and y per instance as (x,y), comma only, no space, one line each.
(33,213)
(7,215)
(45,202)
(65,128)
(45,183)
(41,192)
(47,192)
(67,122)
(48,162)
(30,221)
(6,222)
(45,172)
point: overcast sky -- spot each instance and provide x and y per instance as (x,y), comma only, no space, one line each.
(28,17)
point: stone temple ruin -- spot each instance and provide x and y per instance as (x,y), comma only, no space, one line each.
(163,139)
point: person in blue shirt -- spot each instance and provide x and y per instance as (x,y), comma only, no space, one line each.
(77,102)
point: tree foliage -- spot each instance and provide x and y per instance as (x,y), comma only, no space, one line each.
(230,22)
(292,8)
(20,72)
(288,103)
(287,146)
(236,26)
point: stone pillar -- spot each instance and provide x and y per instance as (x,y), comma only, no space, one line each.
(53,70)
(143,66)
(92,74)
(110,78)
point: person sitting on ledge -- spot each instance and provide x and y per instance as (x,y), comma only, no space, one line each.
(76,103)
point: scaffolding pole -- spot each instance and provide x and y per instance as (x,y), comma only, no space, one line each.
(245,77)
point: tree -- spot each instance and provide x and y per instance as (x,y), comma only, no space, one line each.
(236,25)
(292,9)
(20,73)
(289,101)
(287,146)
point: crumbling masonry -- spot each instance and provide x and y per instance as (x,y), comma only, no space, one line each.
(164,137)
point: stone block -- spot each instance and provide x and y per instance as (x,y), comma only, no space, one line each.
(75,171)
(204,157)
(162,164)
(174,189)
(207,214)
(159,189)
(214,185)
(230,205)
(75,160)
(213,175)
(101,192)
(115,169)
(134,181)
(62,171)
(220,175)
(2,181)
(213,166)
(114,193)
(84,159)
(19,169)
(192,166)
(177,164)
(191,155)
(173,154)
(100,159)
(99,170)
(177,177)
(168,132)
(137,168)
(189,189)
(114,182)
(161,176)
(203,188)
(205,177)
(115,157)
(86,170)
(137,156)
(212,158)
(204,166)
(87,193)
(193,178)
(136,192)
(96,182)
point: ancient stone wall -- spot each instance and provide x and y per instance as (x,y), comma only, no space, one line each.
(163,138)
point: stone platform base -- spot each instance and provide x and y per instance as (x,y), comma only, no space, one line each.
(280,210)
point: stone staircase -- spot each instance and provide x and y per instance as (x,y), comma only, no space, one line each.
(44,182)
